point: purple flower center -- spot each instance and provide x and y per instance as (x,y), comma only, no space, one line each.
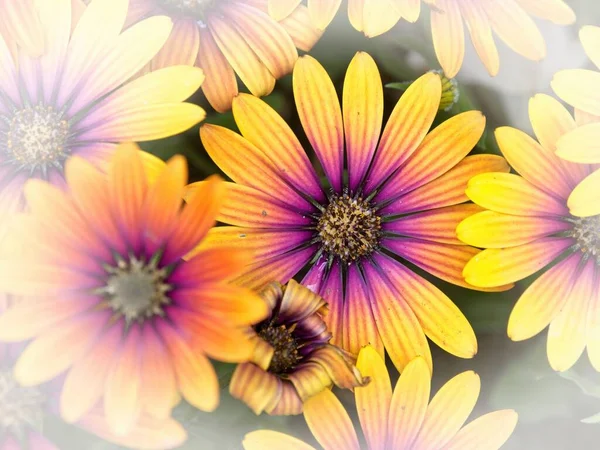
(349,228)
(37,138)
(587,233)
(286,355)
(196,9)
(20,407)
(135,289)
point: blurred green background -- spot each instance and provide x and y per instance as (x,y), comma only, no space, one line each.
(552,407)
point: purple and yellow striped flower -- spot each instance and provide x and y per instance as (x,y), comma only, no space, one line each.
(398,196)
(528,227)
(229,37)
(75,99)
(401,419)
(293,359)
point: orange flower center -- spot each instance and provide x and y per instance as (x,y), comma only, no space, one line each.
(587,233)
(136,290)
(196,9)
(286,355)
(37,137)
(20,407)
(349,228)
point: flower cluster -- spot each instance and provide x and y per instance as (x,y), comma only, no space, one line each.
(125,287)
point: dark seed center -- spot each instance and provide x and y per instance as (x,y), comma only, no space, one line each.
(349,228)
(286,354)
(20,407)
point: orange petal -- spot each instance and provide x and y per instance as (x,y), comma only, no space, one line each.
(301,29)
(280,9)
(181,46)
(255,387)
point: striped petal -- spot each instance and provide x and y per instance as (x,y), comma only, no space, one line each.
(590,39)
(543,300)
(580,145)
(489,229)
(438,225)
(267,439)
(181,46)
(255,387)
(448,411)
(280,9)
(496,267)
(332,291)
(409,404)
(567,334)
(23,23)
(516,29)
(449,189)
(488,432)
(220,86)
(578,87)
(321,116)
(262,126)
(329,422)
(538,166)
(440,151)
(362,106)
(440,319)
(405,129)
(398,326)
(322,12)
(510,194)
(373,400)
(448,36)
(481,35)
(301,29)
(584,201)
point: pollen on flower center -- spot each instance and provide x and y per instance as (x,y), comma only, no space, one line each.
(193,8)
(37,137)
(136,290)
(19,406)
(286,355)
(349,228)
(587,233)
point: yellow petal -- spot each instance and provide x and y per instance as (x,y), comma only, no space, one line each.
(373,400)
(567,334)
(549,119)
(584,201)
(496,267)
(510,194)
(409,9)
(322,12)
(409,404)
(448,410)
(280,9)
(23,23)
(489,229)
(301,29)
(269,440)
(362,108)
(579,88)
(590,39)
(488,432)
(379,17)
(542,300)
(448,36)
(329,422)
(580,145)
(481,36)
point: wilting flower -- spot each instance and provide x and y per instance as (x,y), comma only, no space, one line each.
(399,419)
(509,20)
(134,322)
(21,27)
(402,197)
(579,88)
(293,360)
(75,98)
(527,227)
(225,37)
(321,12)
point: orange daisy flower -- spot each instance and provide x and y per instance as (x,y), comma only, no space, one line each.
(106,284)
(508,19)
(21,27)
(321,12)
(401,201)
(76,99)
(225,37)
(293,360)
(400,419)
(579,89)
(528,226)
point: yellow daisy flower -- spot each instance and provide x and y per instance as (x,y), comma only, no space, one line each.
(528,226)
(402,418)
(229,37)
(579,88)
